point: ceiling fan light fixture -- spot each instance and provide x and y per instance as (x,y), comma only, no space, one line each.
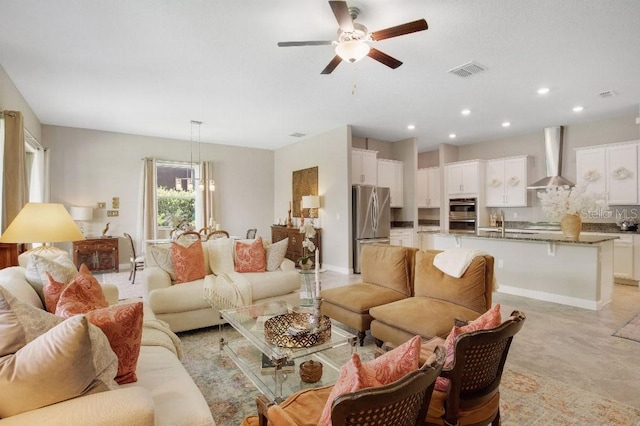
(353,50)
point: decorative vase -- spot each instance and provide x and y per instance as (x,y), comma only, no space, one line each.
(305,266)
(571,225)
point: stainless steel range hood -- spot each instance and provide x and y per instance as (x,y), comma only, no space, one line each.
(553,158)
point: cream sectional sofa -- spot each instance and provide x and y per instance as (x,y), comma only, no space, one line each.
(184,307)
(164,393)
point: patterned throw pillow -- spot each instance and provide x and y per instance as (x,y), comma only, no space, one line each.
(275,254)
(381,371)
(161,255)
(56,366)
(250,257)
(122,324)
(82,294)
(58,263)
(490,319)
(188,262)
(26,324)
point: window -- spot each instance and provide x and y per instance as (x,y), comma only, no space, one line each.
(176,196)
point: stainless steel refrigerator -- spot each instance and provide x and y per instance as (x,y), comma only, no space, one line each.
(371,218)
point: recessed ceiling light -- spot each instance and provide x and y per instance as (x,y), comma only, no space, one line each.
(506,124)
(452,135)
(411,126)
(543,91)
(465,112)
(577,108)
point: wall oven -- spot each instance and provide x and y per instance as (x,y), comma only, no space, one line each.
(463,215)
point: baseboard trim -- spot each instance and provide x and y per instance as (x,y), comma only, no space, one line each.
(554,298)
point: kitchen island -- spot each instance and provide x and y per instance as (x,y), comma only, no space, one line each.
(543,266)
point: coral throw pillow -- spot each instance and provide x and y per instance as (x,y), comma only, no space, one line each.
(122,324)
(352,377)
(188,262)
(83,294)
(383,370)
(250,257)
(490,319)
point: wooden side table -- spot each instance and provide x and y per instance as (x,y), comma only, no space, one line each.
(99,254)
(294,249)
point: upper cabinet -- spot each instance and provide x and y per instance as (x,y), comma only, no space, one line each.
(610,170)
(364,167)
(428,187)
(390,175)
(506,182)
(462,178)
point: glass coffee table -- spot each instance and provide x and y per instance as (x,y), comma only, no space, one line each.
(275,370)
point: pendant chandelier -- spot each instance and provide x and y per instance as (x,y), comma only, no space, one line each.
(191,180)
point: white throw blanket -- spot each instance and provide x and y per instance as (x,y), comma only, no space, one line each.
(227,290)
(157,333)
(455,262)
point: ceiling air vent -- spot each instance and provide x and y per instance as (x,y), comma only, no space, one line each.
(297,135)
(467,69)
(607,93)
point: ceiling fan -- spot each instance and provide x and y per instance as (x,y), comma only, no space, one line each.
(354,38)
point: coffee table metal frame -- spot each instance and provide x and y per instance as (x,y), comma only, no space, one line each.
(246,351)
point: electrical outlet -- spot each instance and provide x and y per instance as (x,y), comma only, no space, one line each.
(500,263)
(102,205)
(112,213)
(515,215)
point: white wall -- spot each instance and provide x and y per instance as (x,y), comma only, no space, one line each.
(331,152)
(90,166)
(11,99)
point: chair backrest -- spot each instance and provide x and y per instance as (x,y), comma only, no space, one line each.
(132,247)
(251,233)
(189,236)
(479,361)
(217,234)
(401,403)
(204,231)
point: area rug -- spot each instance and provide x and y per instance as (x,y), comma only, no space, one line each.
(126,290)
(527,398)
(630,330)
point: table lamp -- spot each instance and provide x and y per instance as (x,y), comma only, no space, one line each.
(42,223)
(81,214)
(311,202)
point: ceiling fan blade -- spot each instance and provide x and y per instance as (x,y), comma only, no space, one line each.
(341,12)
(408,28)
(383,58)
(332,65)
(304,43)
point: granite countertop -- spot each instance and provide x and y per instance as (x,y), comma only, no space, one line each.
(534,237)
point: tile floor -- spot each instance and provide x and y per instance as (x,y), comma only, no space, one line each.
(572,345)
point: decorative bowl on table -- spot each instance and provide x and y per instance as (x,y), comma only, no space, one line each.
(297,330)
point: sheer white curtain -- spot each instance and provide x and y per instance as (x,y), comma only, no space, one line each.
(147,205)
(38,170)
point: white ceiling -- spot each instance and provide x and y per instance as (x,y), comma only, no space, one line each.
(148,67)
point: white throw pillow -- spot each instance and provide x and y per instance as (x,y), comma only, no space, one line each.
(161,255)
(53,254)
(275,254)
(221,255)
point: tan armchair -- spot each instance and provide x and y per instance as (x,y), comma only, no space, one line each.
(400,403)
(387,276)
(438,300)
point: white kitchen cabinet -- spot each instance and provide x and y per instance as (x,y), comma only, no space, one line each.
(610,170)
(364,167)
(462,178)
(428,187)
(390,175)
(506,182)
(401,237)
(623,257)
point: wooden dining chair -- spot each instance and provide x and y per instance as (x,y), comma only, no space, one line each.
(217,234)
(137,262)
(251,233)
(189,236)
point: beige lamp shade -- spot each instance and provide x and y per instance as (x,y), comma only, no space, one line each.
(81,213)
(310,201)
(42,223)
